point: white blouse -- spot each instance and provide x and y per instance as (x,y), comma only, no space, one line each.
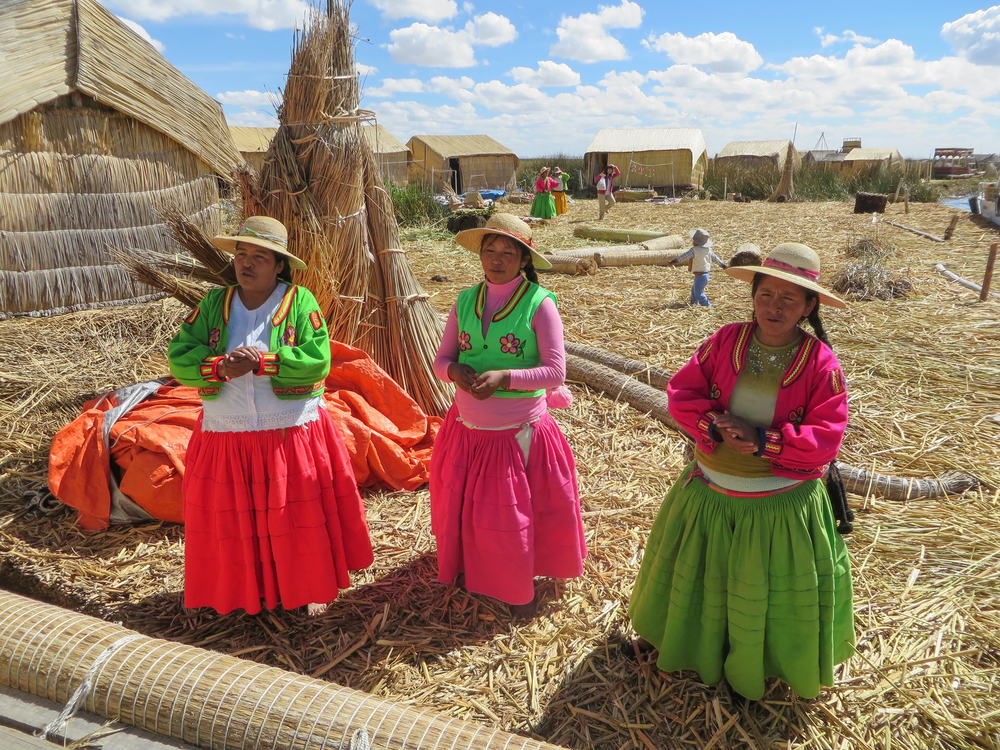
(247,403)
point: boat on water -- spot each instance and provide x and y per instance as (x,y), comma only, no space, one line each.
(988,201)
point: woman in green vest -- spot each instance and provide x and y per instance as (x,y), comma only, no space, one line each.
(504,500)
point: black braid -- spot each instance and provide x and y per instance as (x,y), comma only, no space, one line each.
(835,489)
(529,269)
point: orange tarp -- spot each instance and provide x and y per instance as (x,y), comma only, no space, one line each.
(387,435)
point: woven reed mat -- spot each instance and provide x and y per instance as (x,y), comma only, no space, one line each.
(208,699)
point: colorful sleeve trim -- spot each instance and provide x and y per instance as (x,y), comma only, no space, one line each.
(190,319)
(268,364)
(837,382)
(772,444)
(301,390)
(227,304)
(703,351)
(705,425)
(798,365)
(740,347)
(284,307)
(209,369)
(316,320)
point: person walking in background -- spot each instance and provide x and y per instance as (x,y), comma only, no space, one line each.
(606,189)
(702,257)
(559,191)
(745,575)
(272,511)
(505,506)
(544,207)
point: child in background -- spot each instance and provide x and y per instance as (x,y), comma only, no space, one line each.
(702,257)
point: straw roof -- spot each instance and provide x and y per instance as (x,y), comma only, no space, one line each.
(626,140)
(252,140)
(874,154)
(53,47)
(451,146)
(775,149)
(381,141)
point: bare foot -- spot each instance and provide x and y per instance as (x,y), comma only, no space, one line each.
(314,609)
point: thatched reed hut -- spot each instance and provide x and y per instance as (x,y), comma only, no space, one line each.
(465,162)
(654,157)
(827,157)
(859,158)
(757,154)
(97,133)
(392,154)
(252,143)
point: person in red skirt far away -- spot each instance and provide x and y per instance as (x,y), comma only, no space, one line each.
(745,575)
(504,500)
(272,511)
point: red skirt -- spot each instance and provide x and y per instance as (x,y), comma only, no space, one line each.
(500,522)
(273,515)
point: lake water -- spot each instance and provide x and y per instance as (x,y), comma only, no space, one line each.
(961,203)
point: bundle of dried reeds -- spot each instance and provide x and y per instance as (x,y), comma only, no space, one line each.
(785,191)
(187,292)
(617,235)
(571,265)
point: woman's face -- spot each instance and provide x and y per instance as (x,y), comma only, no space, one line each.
(501,258)
(256,267)
(779,305)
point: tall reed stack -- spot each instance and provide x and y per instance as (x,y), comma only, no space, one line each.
(322,181)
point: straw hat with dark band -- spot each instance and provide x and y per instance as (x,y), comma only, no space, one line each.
(794,262)
(262,231)
(507,225)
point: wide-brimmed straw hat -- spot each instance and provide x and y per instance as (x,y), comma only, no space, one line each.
(505,224)
(262,231)
(700,237)
(794,262)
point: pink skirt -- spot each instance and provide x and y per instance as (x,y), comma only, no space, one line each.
(501,523)
(273,515)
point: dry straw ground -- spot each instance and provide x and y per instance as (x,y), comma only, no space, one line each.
(923,374)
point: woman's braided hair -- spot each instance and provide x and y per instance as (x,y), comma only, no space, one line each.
(834,482)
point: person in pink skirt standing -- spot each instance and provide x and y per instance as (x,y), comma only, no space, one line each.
(505,506)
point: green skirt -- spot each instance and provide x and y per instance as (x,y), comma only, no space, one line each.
(746,587)
(544,205)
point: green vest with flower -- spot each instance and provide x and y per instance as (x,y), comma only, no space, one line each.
(509,344)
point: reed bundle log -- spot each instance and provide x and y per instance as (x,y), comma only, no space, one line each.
(654,376)
(669,242)
(209,699)
(964,282)
(619,258)
(617,235)
(911,229)
(591,252)
(571,265)
(651,401)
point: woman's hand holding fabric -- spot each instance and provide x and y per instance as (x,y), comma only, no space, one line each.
(462,375)
(488,383)
(737,433)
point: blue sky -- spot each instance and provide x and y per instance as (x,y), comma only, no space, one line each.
(543,77)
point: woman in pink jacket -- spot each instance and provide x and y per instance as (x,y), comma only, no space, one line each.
(745,575)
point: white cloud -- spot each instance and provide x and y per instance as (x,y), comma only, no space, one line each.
(423,10)
(976,36)
(848,36)
(548,74)
(365,70)
(260,14)
(457,88)
(248,98)
(720,53)
(491,30)
(585,38)
(234,36)
(253,119)
(393,86)
(157,45)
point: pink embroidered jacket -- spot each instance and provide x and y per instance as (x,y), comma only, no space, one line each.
(810,415)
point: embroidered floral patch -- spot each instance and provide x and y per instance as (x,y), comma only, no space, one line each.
(213,338)
(464,341)
(510,344)
(714,393)
(797,415)
(288,337)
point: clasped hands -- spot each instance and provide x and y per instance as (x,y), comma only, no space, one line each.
(481,387)
(737,433)
(240,361)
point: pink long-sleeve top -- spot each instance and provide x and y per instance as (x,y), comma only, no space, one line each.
(501,412)
(545,184)
(810,415)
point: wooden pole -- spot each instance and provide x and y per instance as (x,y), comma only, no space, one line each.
(988,277)
(899,189)
(906,200)
(911,229)
(951,227)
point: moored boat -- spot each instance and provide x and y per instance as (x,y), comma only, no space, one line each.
(989,201)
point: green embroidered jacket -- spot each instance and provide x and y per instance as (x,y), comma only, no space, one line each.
(298,359)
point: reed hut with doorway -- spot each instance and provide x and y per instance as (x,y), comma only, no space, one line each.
(660,158)
(252,142)
(861,158)
(757,154)
(392,154)
(462,162)
(97,133)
